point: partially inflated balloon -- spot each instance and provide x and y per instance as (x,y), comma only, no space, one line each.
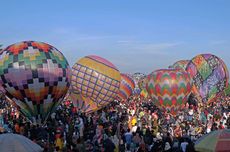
(82,103)
(126,87)
(169,88)
(36,76)
(144,93)
(97,79)
(181,64)
(136,91)
(142,83)
(210,76)
(137,77)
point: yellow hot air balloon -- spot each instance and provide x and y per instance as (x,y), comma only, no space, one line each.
(97,80)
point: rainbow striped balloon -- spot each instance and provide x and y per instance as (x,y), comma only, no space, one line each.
(169,88)
(126,87)
(97,79)
(83,104)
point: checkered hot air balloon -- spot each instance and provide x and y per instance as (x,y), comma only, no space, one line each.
(169,88)
(181,64)
(36,76)
(210,76)
(126,87)
(96,79)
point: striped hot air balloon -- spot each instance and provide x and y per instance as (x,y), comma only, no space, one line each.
(83,104)
(169,88)
(126,87)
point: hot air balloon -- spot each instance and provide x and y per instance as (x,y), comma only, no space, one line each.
(83,104)
(169,89)
(137,77)
(142,85)
(181,64)
(36,76)
(144,93)
(96,79)
(126,87)
(210,76)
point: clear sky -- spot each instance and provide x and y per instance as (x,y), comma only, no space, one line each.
(135,35)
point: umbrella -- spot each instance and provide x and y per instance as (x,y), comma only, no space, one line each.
(17,143)
(217,141)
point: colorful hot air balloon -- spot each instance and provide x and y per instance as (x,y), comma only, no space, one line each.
(36,76)
(181,64)
(142,85)
(169,88)
(97,79)
(137,77)
(210,76)
(83,104)
(126,87)
(144,93)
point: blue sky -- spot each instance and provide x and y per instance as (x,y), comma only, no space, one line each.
(137,36)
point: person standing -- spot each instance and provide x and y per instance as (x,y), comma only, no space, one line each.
(128,138)
(184,145)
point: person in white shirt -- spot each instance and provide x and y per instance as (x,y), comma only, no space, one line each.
(134,128)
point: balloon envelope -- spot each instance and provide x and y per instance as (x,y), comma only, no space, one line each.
(144,93)
(142,83)
(181,64)
(169,88)
(83,104)
(137,77)
(36,76)
(97,79)
(210,76)
(126,87)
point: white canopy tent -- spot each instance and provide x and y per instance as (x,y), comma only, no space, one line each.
(17,143)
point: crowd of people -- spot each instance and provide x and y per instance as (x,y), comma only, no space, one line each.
(134,126)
